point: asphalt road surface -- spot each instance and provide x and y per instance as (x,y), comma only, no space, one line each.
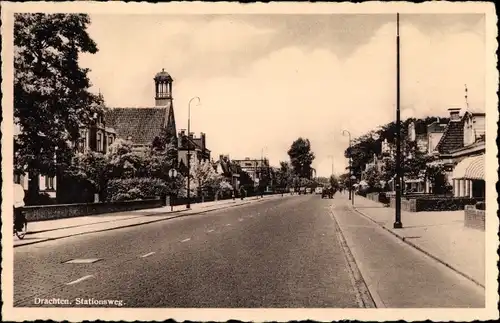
(276,253)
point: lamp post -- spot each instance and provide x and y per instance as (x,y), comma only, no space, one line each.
(397,222)
(261,170)
(352,178)
(350,162)
(188,204)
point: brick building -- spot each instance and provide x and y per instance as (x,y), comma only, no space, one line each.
(141,125)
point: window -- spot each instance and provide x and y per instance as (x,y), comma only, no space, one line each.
(49,182)
(110,140)
(17,179)
(99,142)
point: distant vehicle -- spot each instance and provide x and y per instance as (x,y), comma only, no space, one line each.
(308,190)
(327,192)
(302,190)
(319,190)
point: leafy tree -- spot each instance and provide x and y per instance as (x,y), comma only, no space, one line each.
(123,162)
(91,167)
(51,97)
(284,175)
(437,176)
(203,177)
(301,157)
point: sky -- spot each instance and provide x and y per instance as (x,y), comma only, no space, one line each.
(265,80)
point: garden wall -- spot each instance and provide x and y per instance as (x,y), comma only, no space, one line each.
(378,197)
(474,218)
(433,204)
(60,211)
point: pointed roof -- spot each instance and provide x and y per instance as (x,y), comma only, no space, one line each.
(141,124)
(453,137)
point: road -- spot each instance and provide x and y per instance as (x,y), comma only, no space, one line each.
(277,253)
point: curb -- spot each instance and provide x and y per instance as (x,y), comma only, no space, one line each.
(225,206)
(364,297)
(427,253)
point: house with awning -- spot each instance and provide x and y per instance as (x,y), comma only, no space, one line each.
(461,150)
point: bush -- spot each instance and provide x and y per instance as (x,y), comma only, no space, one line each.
(136,189)
(443,204)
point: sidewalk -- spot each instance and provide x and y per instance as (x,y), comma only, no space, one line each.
(41,231)
(441,235)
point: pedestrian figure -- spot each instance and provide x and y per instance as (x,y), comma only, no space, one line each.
(19,218)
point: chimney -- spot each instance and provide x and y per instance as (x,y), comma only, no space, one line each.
(191,135)
(183,132)
(202,136)
(221,157)
(454,114)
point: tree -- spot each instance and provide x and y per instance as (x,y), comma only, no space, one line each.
(91,167)
(435,173)
(301,157)
(123,162)
(51,97)
(283,176)
(203,177)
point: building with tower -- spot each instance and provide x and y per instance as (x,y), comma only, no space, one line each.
(141,125)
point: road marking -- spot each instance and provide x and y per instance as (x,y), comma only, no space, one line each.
(80,279)
(148,254)
(186,240)
(240,220)
(227,225)
(211,230)
(82,261)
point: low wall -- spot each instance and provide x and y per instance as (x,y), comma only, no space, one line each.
(474,218)
(378,197)
(406,205)
(60,211)
(433,204)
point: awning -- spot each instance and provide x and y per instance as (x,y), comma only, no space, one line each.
(470,168)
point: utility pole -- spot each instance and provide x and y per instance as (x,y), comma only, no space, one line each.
(397,222)
(188,204)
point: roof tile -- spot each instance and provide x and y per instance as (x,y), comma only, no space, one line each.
(141,124)
(453,137)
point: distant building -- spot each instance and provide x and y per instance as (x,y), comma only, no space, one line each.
(197,147)
(255,168)
(229,170)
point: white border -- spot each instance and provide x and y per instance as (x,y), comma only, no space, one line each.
(491,312)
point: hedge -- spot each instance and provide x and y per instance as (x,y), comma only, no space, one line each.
(443,204)
(135,189)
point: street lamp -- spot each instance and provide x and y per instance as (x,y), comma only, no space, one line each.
(352,178)
(261,169)
(350,162)
(188,204)
(397,222)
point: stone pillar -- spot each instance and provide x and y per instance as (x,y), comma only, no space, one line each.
(464,187)
(469,184)
(455,187)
